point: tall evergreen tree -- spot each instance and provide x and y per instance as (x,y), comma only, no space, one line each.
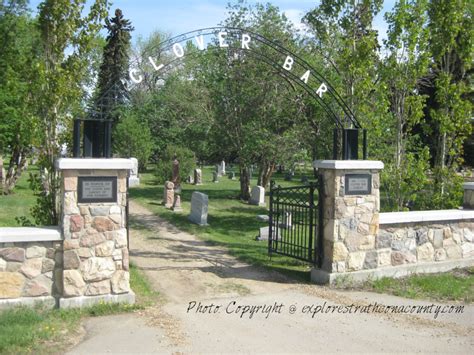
(111,87)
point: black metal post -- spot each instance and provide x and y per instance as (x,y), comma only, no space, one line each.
(350,144)
(364,144)
(270,220)
(320,236)
(334,143)
(88,138)
(76,148)
(311,224)
(108,139)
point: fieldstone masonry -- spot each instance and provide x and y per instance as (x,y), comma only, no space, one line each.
(357,244)
(95,248)
(29,269)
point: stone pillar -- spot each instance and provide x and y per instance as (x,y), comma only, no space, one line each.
(93,223)
(468,196)
(351,206)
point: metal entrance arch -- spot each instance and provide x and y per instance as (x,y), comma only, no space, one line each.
(289,64)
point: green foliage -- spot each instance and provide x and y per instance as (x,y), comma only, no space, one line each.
(113,73)
(64,26)
(456,285)
(187,163)
(132,138)
(17,102)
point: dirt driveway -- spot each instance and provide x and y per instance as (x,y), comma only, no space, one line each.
(216,304)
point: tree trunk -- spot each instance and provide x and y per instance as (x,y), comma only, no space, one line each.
(2,175)
(265,174)
(244,183)
(17,164)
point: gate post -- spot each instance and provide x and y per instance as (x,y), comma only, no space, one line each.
(95,259)
(350,221)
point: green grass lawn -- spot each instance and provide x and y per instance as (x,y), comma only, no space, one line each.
(18,203)
(232,222)
(39,330)
(456,285)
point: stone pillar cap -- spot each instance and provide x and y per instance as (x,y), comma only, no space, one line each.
(468,186)
(93,164)
(348,164)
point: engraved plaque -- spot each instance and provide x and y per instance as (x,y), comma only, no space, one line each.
(97,189)
(358,184)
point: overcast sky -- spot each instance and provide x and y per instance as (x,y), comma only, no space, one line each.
(180,16)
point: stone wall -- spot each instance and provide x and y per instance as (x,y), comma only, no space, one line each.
(359,242)
(410,243)
(350,223)
(29,269)
(96,260)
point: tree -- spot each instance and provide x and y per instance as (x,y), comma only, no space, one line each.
(133,139)
(66,36)
(449,111)
(252,103)
(345,41)
(111,87)
(17,104)
(405,66)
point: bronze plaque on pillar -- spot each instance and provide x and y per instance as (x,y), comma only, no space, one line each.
(358,184)
(96,189)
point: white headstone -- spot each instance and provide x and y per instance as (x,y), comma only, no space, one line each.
(286,220)
(199,208)
(264,232)
(222,167)
(257,196)
(134,180)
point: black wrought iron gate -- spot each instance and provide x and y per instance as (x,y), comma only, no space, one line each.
(295,229)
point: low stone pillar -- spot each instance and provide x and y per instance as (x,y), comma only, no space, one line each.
(468,196)
(351,206)
(95,247)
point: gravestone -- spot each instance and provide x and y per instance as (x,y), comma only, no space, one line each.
(168,194)
(215,177)
(175,173)
(287,223)
(217,169)
(221,171)
(197,177)
(264,232)
(257,196)
(190,179)
(134,180)
(199,208)
(231,175)
(177,204)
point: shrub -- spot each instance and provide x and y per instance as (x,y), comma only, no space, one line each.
(132,138)
(187,163)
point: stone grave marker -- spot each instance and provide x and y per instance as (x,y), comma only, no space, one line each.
(134,180)
(199,208)
(257,196)
(190,179)
(215,177)
(168,194)
(286,223)
(177,203)
(264,232)
(222,168)
(197,177)
(231,175)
